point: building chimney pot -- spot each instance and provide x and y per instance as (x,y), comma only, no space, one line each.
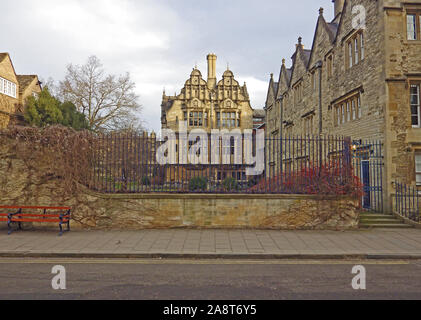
(339,6)
(211,70)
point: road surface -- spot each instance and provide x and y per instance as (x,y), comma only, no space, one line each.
(209,280)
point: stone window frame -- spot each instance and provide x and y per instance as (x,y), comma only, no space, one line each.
(226,117)
(8,88)
(196,119)
(313,81)
(345,110)
(329,60)
(298,92)
(288,129)
(416,84)
(417,14)
(355,49)
(308,124)
(417,159)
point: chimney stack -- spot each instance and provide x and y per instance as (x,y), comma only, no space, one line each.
(339,6)
(211,70)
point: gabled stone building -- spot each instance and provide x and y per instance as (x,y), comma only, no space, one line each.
(210,104)
(14,90)
(361,79)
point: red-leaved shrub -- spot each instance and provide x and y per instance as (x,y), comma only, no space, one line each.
(332,178)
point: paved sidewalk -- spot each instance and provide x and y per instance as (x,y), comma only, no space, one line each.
(381,243)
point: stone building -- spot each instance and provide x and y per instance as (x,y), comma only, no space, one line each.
(361,78)
(14,90)
(259,116)
(208,104)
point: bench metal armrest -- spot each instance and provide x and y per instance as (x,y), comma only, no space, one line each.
(13,214)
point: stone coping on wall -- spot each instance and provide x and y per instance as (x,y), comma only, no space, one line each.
(222,196)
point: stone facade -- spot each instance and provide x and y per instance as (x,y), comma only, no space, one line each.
(402,69)
(355,82)
(26,182)
(8,102)
(13,99)
(208,104)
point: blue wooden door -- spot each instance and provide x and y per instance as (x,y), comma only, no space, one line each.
(365,172)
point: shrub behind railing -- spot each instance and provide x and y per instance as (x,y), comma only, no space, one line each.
(333,178)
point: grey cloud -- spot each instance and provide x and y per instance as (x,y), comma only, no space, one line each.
(159,41)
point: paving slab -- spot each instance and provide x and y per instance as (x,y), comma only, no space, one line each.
(179,243)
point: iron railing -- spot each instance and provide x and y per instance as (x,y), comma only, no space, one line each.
(368,164)
(407,201)
(127,163)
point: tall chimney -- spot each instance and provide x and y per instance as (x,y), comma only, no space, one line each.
(211,70)
(339,6)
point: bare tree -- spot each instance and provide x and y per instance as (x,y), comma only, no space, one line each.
(108,101)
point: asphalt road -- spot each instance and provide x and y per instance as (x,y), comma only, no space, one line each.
(208,280)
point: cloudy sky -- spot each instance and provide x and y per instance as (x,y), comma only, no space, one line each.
(158,41)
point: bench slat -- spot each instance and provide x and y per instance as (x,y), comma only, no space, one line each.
(38,220)
(35,207)
(53,217)
(39,215)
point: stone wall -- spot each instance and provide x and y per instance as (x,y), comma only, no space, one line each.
(23,183)
(4,120)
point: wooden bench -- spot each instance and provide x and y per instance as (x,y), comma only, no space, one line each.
(61,215)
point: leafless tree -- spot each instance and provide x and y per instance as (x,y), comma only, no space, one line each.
(108,101)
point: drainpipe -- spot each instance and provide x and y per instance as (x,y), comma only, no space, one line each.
(281,131)
(319,65)
(281,106)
